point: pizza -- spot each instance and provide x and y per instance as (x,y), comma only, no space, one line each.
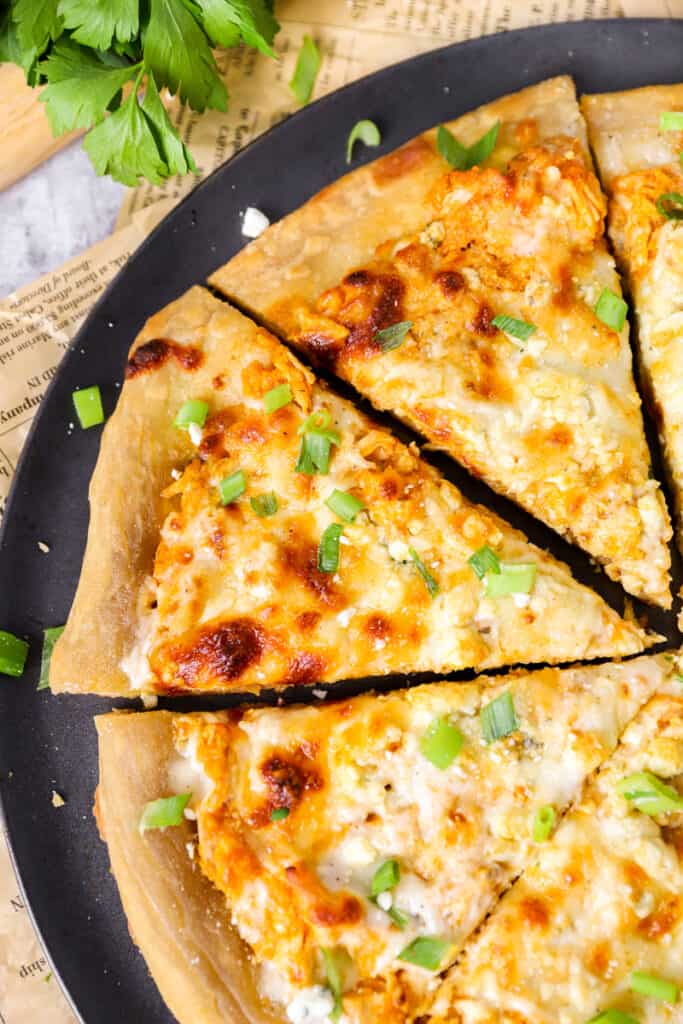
(301,863)
(473,295)
(593,930)
(251,529)
(637,141)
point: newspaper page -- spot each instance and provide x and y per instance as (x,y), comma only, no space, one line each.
(37,322)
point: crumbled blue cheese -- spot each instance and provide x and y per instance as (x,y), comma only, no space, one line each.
(254,222)
(312,1005)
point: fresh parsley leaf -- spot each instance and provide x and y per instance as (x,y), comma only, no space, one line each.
(38,21)
(177,157)
(306,71)
(124,146)
(365,131)
(178,53)
(80,87)
(96,23)
(226,20)
(11,50)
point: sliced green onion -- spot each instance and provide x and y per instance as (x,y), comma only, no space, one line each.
(513,578)
(678,677)
(393,336)
(670,205)
(337,962)
(425,951)
(653,986)
(519,329)
(264,504)
(463,157)
(13,654)
(328,548)
(441,743)
(306,70)
(279,814)
(671,121)
(613,1017)
(544,823)
(611,309)
(344,505)
(88,405)
(498,718)
(50,638)
(164,813)
(318,438)
(483,561)
(430,582)
(386,877)
(649,794)
(398,917)
(277,398)
(193,411)
(367,132)
(232,486)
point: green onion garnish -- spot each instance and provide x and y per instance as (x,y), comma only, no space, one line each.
(441,743)
(277,397)
(344,505)
(337,962)
(670,205)
(513,578)
(484,560)
(463,157)
(543,823)
(264,504)
(678,677)
(50,638)
(279,814)
(189,412)
(671,121)
(164,813)
(430,582)
(386,877)
(328,548)
(613,1017)
(425,951)
(649,794)
(232,486)
(393,336)
(13,654)
(519,329)
(88,405)
(306,70)
(318,438)
(611,309)
(365,131)
(653,986)
(398,917)
(498,719)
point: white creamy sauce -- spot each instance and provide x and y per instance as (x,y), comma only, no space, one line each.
(186,774)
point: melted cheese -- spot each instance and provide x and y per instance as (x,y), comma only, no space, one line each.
(359,790)
(603,898)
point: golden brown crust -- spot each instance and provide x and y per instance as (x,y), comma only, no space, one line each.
(175,916)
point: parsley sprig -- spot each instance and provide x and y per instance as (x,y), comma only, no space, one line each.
(104,62)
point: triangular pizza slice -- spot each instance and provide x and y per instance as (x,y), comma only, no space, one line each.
(251,529)
(309,862)
(637,138)
(593,930)
(480,305)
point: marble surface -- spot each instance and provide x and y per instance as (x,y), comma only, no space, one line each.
(54,213)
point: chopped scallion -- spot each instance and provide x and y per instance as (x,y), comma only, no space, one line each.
(364,131)
(544,823)
(386,877)
(393,336)
(613,1017)
(519,329)
(483,561)
(442,742)
(513,578)
(399,918)
(164,813)
(654,987)
(671,121)
(498,718)
(50,638)
(306,70)
(430,583)
(264,504)
(318,438)
(649,794)
(88,405)
(13,654)
(462,157)
(611,309)
(189,412)
(337,962)
(232,486)
(279,814)
(426,951)
(344,505)
(670,205)
(277,398)
(328,548)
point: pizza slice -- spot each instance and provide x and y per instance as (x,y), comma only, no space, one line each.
(303,862)
(251,529)
(593,931)
(637,138)
(481,306)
